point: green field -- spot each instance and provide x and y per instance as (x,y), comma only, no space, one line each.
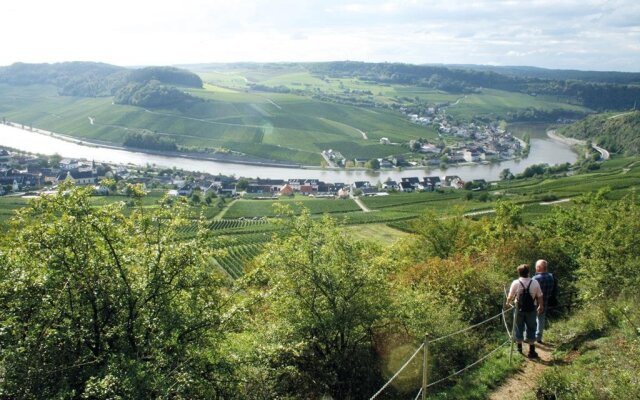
(265,208)
(319,113)
(244,230)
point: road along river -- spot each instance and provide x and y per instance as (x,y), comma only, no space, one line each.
(543,150)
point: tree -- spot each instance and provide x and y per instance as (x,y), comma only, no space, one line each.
(103,303)
(242,184)
(326,295)
(506,174)
(373,164)
(55,159)
(441,237)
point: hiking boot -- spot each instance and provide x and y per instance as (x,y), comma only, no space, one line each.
(533,355)
(519,348)
(541,342)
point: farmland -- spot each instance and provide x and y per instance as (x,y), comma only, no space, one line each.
(249,223)
(284,113)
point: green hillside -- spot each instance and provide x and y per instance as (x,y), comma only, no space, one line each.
(616,132)
(288,112)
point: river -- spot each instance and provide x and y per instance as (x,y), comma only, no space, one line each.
(543,150)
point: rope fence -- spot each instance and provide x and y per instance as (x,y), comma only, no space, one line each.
(425,344)
(398,372)
(425,348)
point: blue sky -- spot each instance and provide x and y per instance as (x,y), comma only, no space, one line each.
(598,35)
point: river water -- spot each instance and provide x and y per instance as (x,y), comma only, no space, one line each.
(543,150)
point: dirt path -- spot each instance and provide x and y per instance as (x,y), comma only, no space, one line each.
(361,204)
(221,214)
(524,381)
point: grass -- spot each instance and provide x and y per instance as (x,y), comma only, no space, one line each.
(379,233)
(603,344)
(277,126)
(271,126)
(264,208)
(478,382)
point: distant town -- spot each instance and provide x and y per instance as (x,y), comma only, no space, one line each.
(456,144)
(25,174)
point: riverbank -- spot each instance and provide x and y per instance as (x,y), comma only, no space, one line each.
(543,151)
(604,153)
(223,158)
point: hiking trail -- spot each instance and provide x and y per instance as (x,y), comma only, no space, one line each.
(524,382)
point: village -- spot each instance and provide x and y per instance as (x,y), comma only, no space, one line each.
(463,143)
(24,174)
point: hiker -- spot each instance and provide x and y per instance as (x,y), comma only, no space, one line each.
(547,284)
(527,292)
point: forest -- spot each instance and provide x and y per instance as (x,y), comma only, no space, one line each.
(596,91)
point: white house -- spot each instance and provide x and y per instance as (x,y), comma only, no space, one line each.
(68,164)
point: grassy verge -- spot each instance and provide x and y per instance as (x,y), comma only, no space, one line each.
(601,347)
(478,382)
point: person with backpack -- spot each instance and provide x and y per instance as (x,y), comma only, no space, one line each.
(529,302)
(549,287)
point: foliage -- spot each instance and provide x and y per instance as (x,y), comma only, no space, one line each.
(440,237)
(607,339)
(72,78)
(149,141)
(167,75)
(615,132)
(153,94)
(326,295)
(605,249)
(103,303)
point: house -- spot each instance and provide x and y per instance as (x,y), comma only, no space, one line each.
(405,186)
(68,164)
(5,156)
(398,161)
(78,177)
(286,190)
(389,185)
(295,184)
(360,162)
(384,163)
(23,178)
(385,140)
(361,185)
(343,193)
(310,182)
(453,181)
(433,181)
(185,190)
(429,148)
(100,190)
(227,189)
(412,180)
(473,155)
(258,188)
(307,189)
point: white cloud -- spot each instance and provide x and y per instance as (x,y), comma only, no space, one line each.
(591,34)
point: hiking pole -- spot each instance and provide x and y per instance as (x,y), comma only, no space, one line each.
(513,333)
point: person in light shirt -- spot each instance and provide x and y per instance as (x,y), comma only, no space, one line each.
(548,285)
(526,320)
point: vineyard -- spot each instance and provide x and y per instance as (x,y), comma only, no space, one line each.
(235,258)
